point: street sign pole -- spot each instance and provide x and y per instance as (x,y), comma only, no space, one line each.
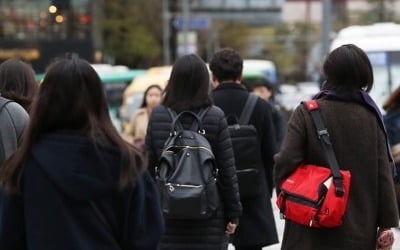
(326,28)
(166,32)
(186,18)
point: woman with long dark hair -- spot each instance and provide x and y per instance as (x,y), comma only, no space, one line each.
(75,183)
(188,89)
(140,119)
(17,82)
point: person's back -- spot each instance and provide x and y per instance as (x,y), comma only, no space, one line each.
(17,89)
(392,123)
(208,233)
(66,179)
(358,139)
(75,183)
(13,120)
(265,90)
(257,225)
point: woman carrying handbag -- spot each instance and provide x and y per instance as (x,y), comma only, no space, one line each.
(359,142)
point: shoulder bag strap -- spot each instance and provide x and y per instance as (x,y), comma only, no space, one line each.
(248,109)
(323,135)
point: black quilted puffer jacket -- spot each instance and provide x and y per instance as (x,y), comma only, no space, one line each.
(200,234)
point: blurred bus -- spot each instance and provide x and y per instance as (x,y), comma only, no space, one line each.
(115,80)
(381,42)
(255,68)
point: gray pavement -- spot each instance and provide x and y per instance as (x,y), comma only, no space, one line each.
(280,224)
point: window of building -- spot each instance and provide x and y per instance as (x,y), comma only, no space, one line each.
(45,19)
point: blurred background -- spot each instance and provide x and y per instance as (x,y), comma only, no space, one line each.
(132,43)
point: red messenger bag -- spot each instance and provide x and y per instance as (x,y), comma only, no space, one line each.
(316,196)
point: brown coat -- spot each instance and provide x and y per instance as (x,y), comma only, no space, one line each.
(360,146)
(138,124)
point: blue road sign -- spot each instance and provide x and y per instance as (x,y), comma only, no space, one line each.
(195,23)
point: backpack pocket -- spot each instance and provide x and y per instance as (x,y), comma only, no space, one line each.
(188,201)
(249,182)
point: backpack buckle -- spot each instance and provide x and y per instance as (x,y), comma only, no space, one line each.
(322,132)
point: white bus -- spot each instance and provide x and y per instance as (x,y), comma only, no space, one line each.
(381,41)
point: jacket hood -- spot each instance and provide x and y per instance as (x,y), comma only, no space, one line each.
(76,166)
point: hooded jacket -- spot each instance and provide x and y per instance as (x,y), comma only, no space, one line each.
(65,180)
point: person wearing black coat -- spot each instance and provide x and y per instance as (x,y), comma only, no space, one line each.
(188,90)
(392,124)
(257,225)
(74,183)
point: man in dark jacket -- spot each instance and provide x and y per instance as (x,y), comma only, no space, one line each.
(257,226)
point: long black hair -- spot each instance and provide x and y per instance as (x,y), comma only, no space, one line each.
(17,82)
(144,102)
(71,97)
(348,68)
(189,84)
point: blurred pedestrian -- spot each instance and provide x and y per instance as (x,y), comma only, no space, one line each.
(257,226)
(392,123)
(17,90)
(140,119)
(75,183)
(188,90)
(17,82)
(358,137)
(264,89)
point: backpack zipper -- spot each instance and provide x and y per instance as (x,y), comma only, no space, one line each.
(189,147)
(172,186)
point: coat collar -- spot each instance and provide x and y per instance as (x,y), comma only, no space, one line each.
(230,85)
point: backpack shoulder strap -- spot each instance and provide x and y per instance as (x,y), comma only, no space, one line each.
(201,115)
(248,109)
(3,102)
(174,116)
(323,135)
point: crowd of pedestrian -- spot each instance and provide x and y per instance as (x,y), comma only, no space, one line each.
(68,179)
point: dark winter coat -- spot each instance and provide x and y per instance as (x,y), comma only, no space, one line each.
(62,175)
(257,225)
(392,123)
(360,146)
(200,234)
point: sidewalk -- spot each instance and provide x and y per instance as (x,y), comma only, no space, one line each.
(280,225)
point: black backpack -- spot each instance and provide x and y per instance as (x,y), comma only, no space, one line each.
(186,173)
(246,150)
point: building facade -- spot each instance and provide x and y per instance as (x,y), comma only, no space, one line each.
(39,30)
(311,10)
